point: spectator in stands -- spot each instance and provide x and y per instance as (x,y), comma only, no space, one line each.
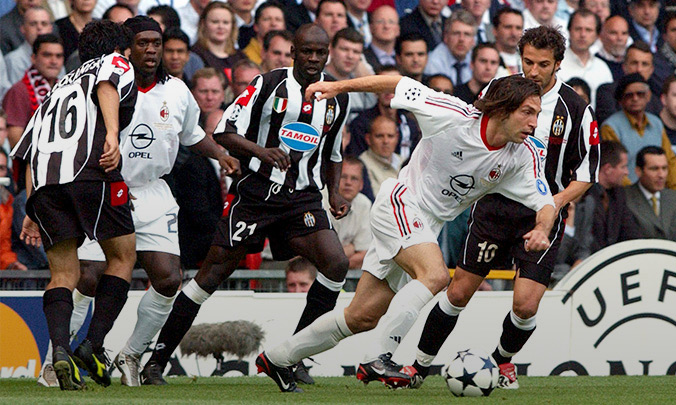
(426,20)
(190,16)
(36,22)
(332,16)
(599,7)
(176,52)
(635,128)
(244,18)
(8,258)
(566,8)
(357,17)
(653,205)
(384,26)
(406,122)
(277,50)
(484,65)
(453,56)
(300,273)
(217,38)
(301,13)
(269,17)
(166,16)
(208,88)
(637,59)
(584,28)
(479,9)
(602,215)
(411,55)
(353,229)
(243,73)
(668,113)
(542,12)
(643,22)
(507,30)
(11,36)
(440,83)
(5,84)
(667,52)
(614,39)
(118,13)
(71,26)
(345,54)
(380,159)
(24,97)
(581,87)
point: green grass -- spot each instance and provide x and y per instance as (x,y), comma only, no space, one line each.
(343,390)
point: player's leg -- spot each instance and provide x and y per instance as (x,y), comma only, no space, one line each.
(370,302)
(164,272)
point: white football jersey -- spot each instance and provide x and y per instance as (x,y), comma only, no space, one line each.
(165,114)
(453,166)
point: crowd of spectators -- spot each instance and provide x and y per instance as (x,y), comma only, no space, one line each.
(620,56)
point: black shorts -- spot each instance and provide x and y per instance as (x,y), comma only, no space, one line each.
(257,208)
(495,240)
(96,209)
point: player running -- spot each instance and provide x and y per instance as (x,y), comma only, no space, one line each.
(466,152)
(71,146)
(567,136)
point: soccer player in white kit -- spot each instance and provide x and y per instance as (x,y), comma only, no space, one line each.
(466,152)
(166,114)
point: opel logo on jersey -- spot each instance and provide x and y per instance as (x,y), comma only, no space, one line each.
(541,148)
(164,112)
(142,136)
(299,136)
(542,187)
(462,184)
(309,219)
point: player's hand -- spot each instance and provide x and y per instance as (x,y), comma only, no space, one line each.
(17,265)
(30,233)
(275,157)
(111,153)
(230,165)
(536,241)
(339,205)
(321,90)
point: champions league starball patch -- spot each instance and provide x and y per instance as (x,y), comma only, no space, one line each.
(299,136)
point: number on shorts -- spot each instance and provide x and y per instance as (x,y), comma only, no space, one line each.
(487,252)
(172,226)
(241,227)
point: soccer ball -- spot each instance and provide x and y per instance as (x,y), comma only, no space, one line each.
(472,373)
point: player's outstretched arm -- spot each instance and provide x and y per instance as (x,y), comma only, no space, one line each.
(571,193)
(109,102)
(538,238)
(238,145)
(367,84)
(208,147)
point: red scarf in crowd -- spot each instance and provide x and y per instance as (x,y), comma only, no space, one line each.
(38,87)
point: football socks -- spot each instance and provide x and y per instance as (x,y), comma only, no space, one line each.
(440,323)
(152,312)
(321,298)
(57,303)
(111,295)
(515,334)
(80,308)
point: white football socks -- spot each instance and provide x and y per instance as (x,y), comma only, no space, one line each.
(400,317)
(321,335)
(152,312)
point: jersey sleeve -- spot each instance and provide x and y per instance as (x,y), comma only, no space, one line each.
(117,70)
(336,132)
(237,116)
(434,111)
(527,184)
(191,133)
(588,150)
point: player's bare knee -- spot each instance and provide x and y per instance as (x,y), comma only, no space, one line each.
(525,310)
(168,285)
(336,267)
(436,280)
(361,320)
(458,296)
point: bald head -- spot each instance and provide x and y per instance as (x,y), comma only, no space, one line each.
(310,33)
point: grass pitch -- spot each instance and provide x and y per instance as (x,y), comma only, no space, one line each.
(347,390)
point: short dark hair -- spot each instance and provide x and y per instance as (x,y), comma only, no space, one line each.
(667,84)
(175,33)
(639,46)
(348,34)
(479,47)
(505,95)
(322,2)
(668,17)
(408,37)
(648,150)
(386,68)
(581,83)
(583,12)
(268,4)
(103,37)
(170,18)
(161,73)
(299,264)
(106,14)
(244,62)
(611,151)
(45,39)
(267,39)
(505,10)
(544,37)
(352,159)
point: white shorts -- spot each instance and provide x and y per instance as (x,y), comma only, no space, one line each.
(397,222)
(155,215)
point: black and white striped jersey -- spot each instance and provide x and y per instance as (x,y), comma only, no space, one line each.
(64,139)
(272,113)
